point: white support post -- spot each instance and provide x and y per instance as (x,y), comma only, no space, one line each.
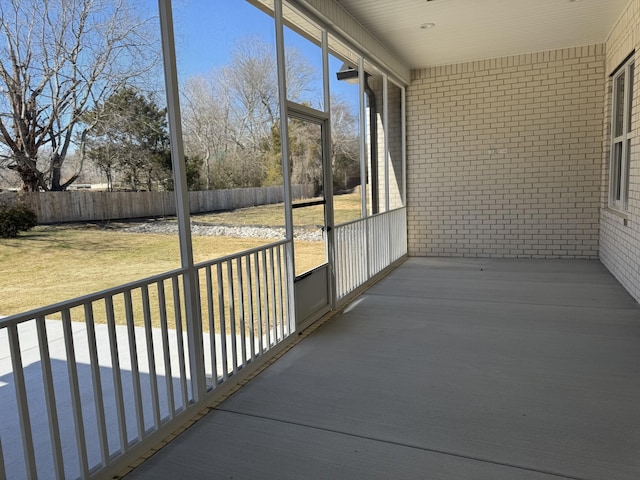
(363,138)
(286,178)
(404,145)
(193,321)
(328,172)
(385,126)
(364,162)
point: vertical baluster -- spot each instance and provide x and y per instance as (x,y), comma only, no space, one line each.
(364,266)
(50,398)
(393,236)
(252,344)
(337,260)
(243,337)
(177,309)
(370,240)
(351,254)
(151,357)
(375,252)
(400,230)
(267,310)
(22,401)
(387,222)
(387,237)
(97,383)
(198,348)
(343,255)
(135,371)
(380,248)
(232,317)
(347,261)
(280,285)
(288,286)
(117,375)
(352,257)
(74,386)
(405,240)
(164,327)
(223,326)
(371,252)
(343,267)
(260,302)
(376,248)
(355,255)
(388,218)
(359,252)
(392,223)
(367,236)
(378,240)
(272,278)
(212,326)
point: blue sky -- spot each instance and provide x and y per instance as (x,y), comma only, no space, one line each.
(206,31)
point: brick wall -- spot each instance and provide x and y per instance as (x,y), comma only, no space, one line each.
(504,156)
(620,234)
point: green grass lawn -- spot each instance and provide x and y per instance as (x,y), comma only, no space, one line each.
(345,208)
(51,264)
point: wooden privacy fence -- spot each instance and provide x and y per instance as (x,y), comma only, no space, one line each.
(84,206)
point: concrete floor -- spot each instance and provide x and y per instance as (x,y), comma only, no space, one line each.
(447,369)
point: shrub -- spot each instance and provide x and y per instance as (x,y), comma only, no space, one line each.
(16,218)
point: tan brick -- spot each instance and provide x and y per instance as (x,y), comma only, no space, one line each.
(465,199)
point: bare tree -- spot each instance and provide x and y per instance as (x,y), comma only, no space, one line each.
(205,120)
(345,154)
(229,114)
(60,58)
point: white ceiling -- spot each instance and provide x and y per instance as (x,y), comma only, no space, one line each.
(468,30)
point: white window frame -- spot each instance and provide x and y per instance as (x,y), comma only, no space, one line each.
(621,140)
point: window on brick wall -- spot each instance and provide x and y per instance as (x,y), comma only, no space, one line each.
(621,136)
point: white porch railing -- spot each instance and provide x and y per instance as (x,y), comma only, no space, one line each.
(112,369)
(243,306)
(367,246)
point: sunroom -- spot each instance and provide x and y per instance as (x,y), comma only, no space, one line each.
(473,316)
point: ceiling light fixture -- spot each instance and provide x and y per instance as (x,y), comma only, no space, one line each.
(427,25)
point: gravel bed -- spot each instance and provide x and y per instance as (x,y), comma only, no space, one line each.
(164,227)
